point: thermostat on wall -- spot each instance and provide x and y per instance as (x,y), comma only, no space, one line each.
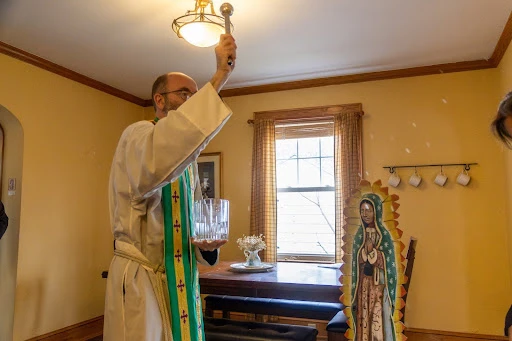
(11,189)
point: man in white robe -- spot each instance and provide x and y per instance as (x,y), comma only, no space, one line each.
(148,157)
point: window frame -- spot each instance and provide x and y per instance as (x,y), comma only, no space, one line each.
(306,257)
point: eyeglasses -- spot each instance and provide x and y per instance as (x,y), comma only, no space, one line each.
(184,94)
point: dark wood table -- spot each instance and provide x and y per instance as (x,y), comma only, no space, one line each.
(298,281)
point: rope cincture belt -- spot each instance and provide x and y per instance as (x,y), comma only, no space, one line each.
(159,283)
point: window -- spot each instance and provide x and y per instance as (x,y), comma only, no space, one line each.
(297,189)
(305,191)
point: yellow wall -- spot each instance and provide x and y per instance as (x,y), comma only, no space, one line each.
(505,70)
(461,277)
(149,113)
(70,133)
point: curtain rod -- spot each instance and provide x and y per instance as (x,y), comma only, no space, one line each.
(250,121)
(294,121)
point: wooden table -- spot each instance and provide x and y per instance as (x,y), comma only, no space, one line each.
(299,281)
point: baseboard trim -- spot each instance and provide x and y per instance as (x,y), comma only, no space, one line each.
(94,327)
(82,331)
(417,334)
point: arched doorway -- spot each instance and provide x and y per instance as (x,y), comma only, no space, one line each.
(11,163)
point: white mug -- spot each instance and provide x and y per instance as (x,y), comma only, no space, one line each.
(394,180)
(415,179)
(463,178)
(440,179)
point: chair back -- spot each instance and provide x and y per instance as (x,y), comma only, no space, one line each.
(411,255)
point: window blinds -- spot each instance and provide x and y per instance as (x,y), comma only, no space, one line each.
(299,130)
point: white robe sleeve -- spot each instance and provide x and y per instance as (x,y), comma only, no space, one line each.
(158,154)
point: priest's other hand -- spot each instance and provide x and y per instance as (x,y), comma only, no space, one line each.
(208,245)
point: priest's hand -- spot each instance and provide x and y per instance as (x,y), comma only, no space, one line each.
(225,49)
(208,245)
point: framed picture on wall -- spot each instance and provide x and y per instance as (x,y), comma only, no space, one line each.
(209,167)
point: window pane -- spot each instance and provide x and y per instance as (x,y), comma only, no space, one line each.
(309,147)
(327,146)
(328,171)
(286,171)
(309,172)
(286,149)
(305,223)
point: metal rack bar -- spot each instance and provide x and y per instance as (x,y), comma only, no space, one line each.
(466,166)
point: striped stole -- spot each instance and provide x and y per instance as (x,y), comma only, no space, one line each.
(180,261)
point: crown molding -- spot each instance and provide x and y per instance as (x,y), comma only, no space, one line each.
(67,73)
(503,43)
(361,77)
(492,62)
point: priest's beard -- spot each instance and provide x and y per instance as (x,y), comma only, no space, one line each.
(170,105)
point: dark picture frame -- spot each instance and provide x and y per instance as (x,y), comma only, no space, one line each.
(209,167)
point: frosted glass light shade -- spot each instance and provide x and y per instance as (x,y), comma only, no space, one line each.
(201,34)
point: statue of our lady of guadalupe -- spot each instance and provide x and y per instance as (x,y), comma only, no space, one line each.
(373,269)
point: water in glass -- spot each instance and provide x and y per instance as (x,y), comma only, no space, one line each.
(211,219)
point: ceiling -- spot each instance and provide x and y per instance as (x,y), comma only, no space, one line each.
(127,43)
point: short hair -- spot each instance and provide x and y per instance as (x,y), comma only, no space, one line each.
(158,86)
(498,125)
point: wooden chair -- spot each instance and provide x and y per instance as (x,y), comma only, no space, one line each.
(411,255)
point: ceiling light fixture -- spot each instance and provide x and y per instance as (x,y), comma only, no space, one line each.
(199,28)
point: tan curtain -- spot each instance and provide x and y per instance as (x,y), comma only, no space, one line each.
(263,191)
(348,166)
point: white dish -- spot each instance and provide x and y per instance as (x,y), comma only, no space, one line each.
(336,266)
(241,267)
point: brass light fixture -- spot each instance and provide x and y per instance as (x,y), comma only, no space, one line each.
(198,27)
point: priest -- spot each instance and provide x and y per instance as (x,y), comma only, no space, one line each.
(153,283)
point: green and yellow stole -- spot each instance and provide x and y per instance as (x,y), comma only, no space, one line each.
(180,261)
